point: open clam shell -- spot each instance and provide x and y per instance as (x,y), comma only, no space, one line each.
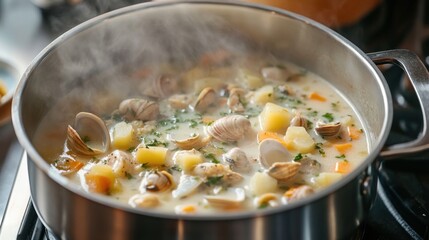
(89,135)
(187,185)
(194,142)
(139,109)
(230,128)
(328,129)
(237,160)
(157,181)
(284,171)
(206,98)
(272,151)
(233,198)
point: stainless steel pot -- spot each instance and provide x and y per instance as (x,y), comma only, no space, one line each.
(96,56)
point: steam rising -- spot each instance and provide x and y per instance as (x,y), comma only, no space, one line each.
(103,57)
(93,69)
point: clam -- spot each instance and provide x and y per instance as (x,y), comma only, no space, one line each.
(67,165)
(310,166)
(206,98)
(237,160)
(156,181)
(234,100)
(161,87)
(299,121)
(147,200)
(139,109)
(187,185)
(210,170)
(180,101)
(232,198)
(193,142)
(272,151)
(88,136)
(274,74)
(121,162)
(298,193)
(230,128)
(283,171)
(266,199)
(328,129)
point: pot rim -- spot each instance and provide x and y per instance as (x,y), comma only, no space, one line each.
(108,202)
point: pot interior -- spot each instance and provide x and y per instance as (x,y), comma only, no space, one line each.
(90,67)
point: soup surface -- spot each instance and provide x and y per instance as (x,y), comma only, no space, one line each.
(216,138)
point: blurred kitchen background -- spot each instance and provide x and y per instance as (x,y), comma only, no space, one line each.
(27,26)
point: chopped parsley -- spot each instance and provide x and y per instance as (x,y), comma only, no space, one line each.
(319,148)
(211,157)
(328,117)
(335,105)
(193,123)
(176,168)
(131,149)
(214,180)
(341,156)
(298,157)
(154,142)
(263,205)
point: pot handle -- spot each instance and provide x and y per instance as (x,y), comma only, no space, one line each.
(418,76)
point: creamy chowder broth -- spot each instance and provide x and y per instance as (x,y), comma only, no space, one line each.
(220,139)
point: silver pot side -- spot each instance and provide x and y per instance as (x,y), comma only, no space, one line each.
(96,56)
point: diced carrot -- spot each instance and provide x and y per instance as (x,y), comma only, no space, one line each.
(67,166)
(271,135)
(289,192)
(189,209)
(98,183)
(353,132)
(342,166)
(317,97)
(343,147)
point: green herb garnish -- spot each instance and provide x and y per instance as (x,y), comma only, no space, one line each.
(328,117)
(214,180)
(211,157)
(318,146)
(298,157)
(176,168)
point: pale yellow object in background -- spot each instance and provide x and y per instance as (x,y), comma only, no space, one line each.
(332,13)
(3,89)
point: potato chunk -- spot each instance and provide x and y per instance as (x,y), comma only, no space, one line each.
(187,160)
(100,179)
(152,156)
(262,183)
(326,178)
(264,95)
(123,136)
(297,138)
(274,118)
